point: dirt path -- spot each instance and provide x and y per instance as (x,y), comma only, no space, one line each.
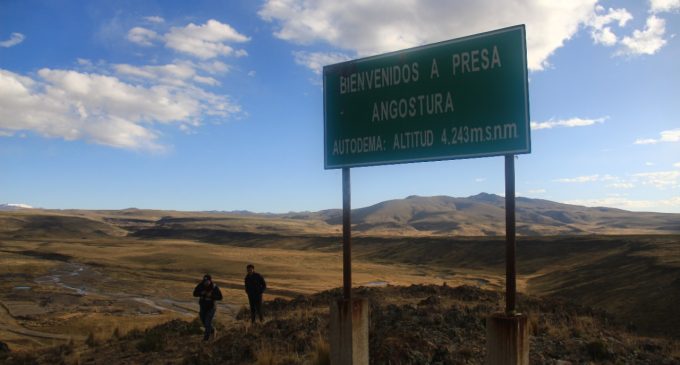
(15,326)
(53,336)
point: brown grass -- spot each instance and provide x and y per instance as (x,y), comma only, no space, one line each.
(634,277)
(267,354)
(118,270)
(322,352)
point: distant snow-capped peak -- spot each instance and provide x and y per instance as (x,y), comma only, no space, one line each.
(12,206)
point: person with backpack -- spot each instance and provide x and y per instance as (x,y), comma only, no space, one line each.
(209,293)
(255,286)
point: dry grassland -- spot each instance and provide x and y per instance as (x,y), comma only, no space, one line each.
(54,291)
(79,275)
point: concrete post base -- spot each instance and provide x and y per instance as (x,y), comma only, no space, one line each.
(507,339)
(349,332)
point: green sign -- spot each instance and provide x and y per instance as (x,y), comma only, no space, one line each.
(462,98)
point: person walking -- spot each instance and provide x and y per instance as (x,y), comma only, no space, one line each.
(209,293)
(255,286)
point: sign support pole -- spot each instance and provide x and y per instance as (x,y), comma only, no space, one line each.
(346,235)
(348,316)
(507,334)
(510,244)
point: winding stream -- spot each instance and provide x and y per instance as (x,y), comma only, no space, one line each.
(70,276)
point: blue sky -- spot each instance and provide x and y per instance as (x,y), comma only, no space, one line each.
(217,105)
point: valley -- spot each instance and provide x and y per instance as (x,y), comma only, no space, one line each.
(75,276)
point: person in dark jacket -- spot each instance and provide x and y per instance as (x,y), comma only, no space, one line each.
(255,286)
(208,293)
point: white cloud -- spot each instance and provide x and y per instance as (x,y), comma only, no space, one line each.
(649,164)
(621,185)
(572,122)
(672,135)
(142,36)
(206,80)
(205,41)
(105,109)
(214,67)
(646,141)
(604,36)
(84,62)
(178,74)
(480,179)
(144,72)
(658,6)
(536,191)
(600,30)
(175,74)
(671,204)
(14,39)
(647,41)
(660,179)
(367,28)
(588,178)
(316,60)
(187,129)
(123,105)
(154,19)
(677,164)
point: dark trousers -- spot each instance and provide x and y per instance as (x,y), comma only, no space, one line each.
(255,302)
(207,316)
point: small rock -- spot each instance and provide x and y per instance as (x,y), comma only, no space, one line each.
(4,349)
(431,300)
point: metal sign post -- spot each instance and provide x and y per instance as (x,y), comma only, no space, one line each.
(348,316)
(510,283)
(346,235)
(507,334)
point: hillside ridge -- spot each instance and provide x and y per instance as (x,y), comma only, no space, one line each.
(477,215)
(414,324)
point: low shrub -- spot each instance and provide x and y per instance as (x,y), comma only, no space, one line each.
(322,352)
(598,350)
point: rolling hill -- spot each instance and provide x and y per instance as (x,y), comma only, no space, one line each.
(478,215)
(626,263)
(484,215)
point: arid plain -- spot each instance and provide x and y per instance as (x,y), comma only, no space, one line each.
(70,275)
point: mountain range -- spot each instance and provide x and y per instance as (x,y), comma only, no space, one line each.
(478,215)
(484,215)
